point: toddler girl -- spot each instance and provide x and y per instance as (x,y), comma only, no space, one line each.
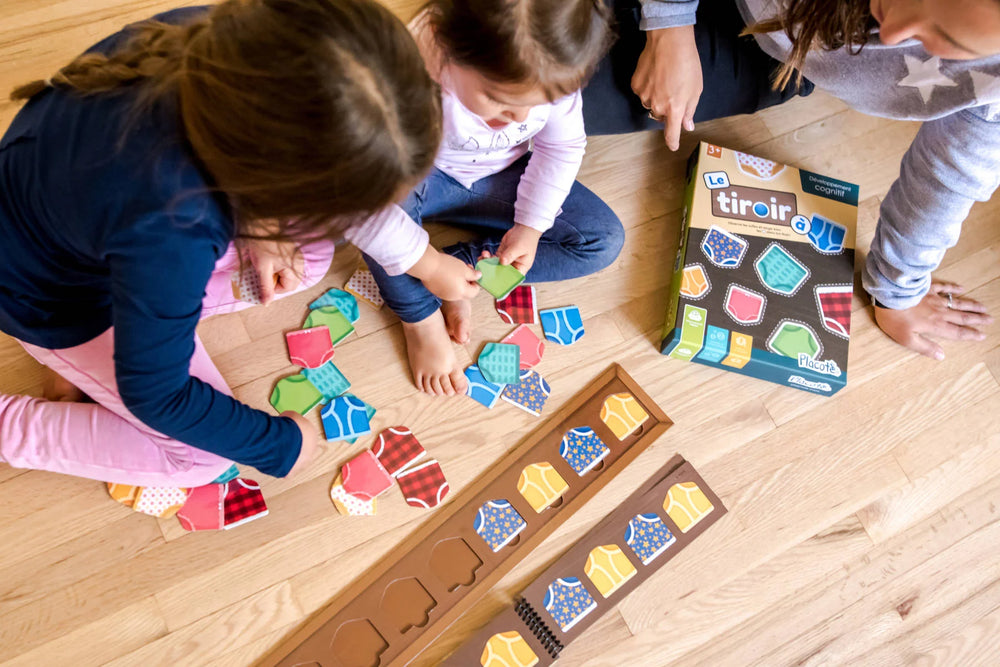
(510,73)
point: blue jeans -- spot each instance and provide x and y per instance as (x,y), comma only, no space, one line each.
(586,237)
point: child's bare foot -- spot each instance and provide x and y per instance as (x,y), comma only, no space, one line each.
(458,319)
(432,358)
(57,388)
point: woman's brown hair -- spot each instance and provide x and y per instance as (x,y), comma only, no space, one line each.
(307,113)
(554,44)
(826,24)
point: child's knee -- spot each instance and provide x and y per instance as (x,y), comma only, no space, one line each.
(610,240)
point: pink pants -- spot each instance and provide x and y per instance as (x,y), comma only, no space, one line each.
(104,441)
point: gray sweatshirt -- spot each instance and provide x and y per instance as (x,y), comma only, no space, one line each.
(953,161)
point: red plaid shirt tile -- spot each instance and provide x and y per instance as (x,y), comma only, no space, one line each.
(835,308)
(397,448)
(244,502)
(423,485)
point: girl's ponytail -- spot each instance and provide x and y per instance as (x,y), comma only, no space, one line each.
(153,53)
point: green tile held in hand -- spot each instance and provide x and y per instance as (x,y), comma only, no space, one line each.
(498,279)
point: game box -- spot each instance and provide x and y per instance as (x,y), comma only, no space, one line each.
(764,273)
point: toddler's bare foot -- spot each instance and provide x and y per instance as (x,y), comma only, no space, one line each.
(57,388)
(458,319)
(432,358)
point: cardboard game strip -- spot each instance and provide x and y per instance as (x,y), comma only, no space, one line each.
(398,607)
(614,557)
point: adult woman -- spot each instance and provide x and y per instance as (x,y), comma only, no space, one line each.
(930,60)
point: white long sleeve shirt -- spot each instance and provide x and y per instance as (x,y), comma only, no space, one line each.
(472,150)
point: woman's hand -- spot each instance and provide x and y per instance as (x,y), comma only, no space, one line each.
(518,247)
(935,315)
(447,277)
(310,441)
(668,80)
(279,265)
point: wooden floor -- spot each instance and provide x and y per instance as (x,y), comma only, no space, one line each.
(863,529)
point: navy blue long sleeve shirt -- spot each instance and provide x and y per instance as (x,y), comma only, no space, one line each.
(106,219)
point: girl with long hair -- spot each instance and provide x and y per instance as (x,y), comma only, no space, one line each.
(138,177)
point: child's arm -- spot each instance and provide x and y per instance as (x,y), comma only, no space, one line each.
(159,269)
(400,245)
(555,161)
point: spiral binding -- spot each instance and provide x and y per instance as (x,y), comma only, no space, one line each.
(538,627)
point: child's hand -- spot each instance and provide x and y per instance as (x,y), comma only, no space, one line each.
(935,315)
(310,442)
(279,265)
(447,277)
(518,247)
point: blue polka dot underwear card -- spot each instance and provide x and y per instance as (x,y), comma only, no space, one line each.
(648,537)
(582,449)
(498,523)
(567,601)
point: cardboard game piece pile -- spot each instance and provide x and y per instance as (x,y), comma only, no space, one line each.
(447,565)
(764,274)
(228,502)
(395,458)
(504,369)
(617,555)
(331,319)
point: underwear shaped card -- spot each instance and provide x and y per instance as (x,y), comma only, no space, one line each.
(310,348)
(562,325)
(608,568)
(423,485)
(480,389)
(694,282)
(724,249)
(744,305)
(758,167)
(531,347)
(345,417)
(826,236)
(791,338)
(519,307)
(834,304)
(779,271)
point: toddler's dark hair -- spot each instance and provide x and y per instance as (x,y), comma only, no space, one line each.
(554,44)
